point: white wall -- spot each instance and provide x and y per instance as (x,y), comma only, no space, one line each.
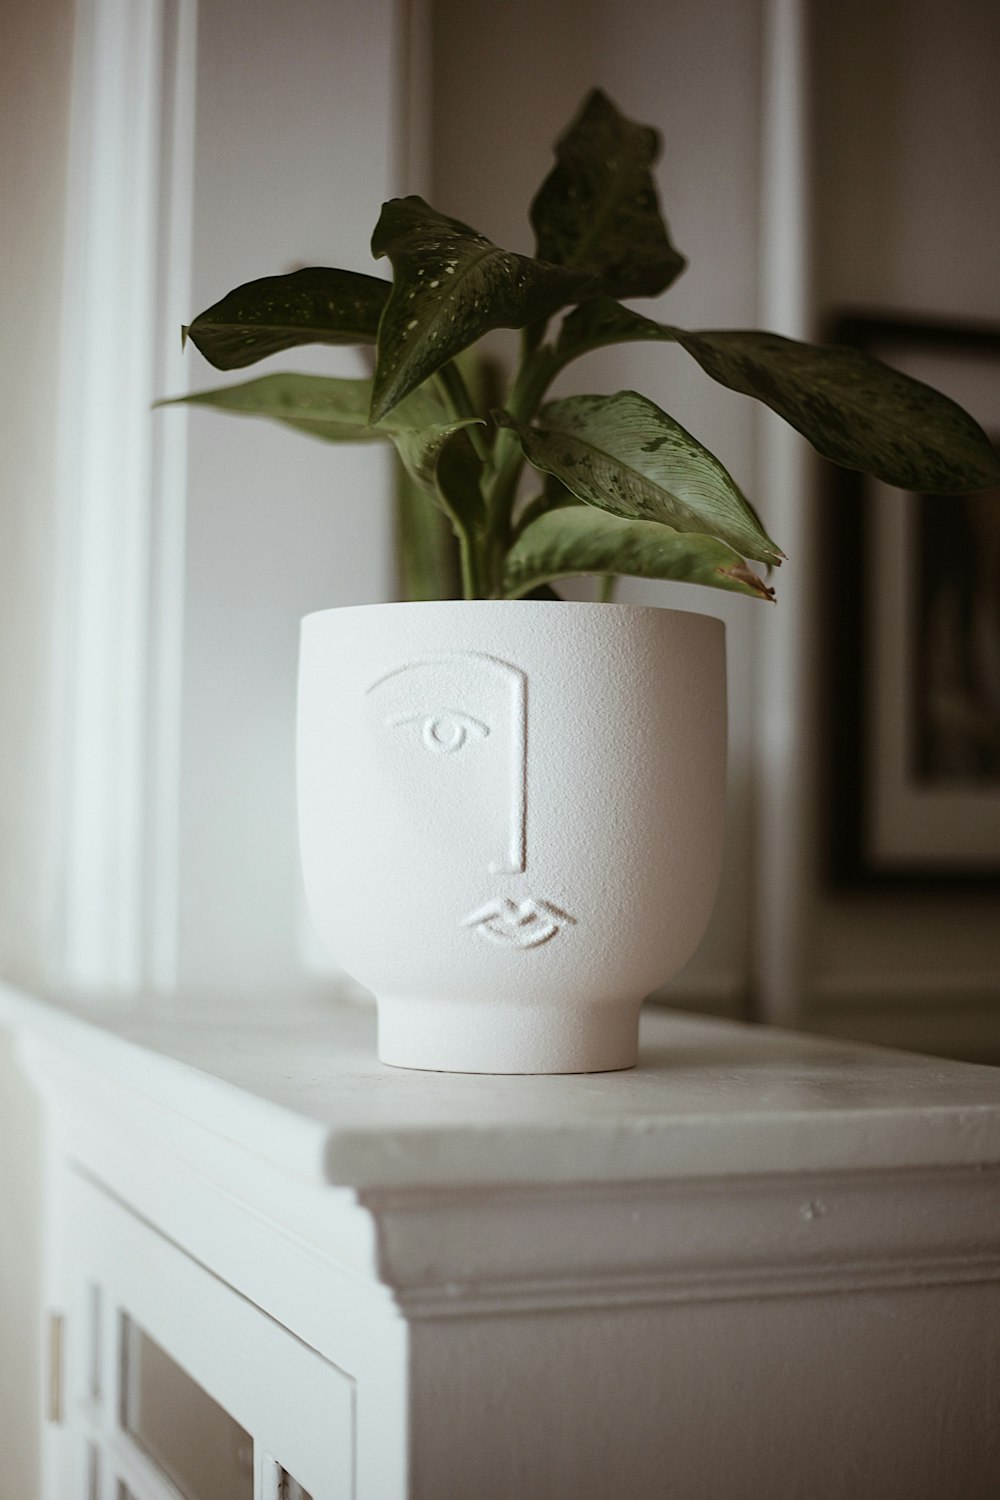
(907,115)
(34,94)
(296,147)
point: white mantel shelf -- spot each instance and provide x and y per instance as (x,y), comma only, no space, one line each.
(772,1260)
(303,1089)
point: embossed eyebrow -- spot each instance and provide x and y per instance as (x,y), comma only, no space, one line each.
(443,659)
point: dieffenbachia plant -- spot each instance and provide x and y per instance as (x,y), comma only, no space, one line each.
(622,487)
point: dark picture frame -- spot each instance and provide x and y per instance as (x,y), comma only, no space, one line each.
(913,607)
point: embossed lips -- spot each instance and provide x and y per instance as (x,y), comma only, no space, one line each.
(518,924)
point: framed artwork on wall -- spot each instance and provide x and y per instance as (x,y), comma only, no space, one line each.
(914,722)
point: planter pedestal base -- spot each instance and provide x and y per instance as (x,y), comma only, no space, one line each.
(469,1037)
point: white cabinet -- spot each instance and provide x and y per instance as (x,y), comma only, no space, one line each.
(175,1384)
(760,1265)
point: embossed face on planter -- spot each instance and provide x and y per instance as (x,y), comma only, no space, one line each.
(450,735)
(509,807)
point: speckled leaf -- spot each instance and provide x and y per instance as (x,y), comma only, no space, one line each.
(580,540)
(598,206)
(623,454)
(337,411)
(854,409)
(450,286)
(313,306)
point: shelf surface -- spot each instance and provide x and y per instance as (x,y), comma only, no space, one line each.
(300,1085)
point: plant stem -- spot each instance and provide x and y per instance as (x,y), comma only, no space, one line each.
(473,583)
(470,545)
(536,369)
(482,552)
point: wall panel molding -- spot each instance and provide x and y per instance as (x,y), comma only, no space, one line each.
(781,878)
(120,494)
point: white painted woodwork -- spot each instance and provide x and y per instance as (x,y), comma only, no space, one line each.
(761,1264)
(190,545)
(786,481)
(298,1406)
(121,489)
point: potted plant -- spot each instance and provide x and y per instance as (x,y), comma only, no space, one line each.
(511,805)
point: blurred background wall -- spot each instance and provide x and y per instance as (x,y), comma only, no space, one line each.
(900,129)
(906,117)
(901,118)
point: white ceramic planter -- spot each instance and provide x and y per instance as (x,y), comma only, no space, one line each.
(511,819)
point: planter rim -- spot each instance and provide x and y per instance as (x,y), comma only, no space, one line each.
(576,605)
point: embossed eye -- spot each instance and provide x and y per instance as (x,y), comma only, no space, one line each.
(445,732)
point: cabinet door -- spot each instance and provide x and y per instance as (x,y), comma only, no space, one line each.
(177,1387)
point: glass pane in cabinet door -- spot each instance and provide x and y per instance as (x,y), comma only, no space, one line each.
(189,1436)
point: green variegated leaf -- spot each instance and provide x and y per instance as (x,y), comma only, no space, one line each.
(313,306)
(328,408)
(337,411)
(623,454)
(420,448)
(854,409)
(580,540)
(604,321)
(598,206)
(426,548)
(457,474)
(554,496)
(451,285)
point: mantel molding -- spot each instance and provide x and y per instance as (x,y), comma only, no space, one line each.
(708,1240)
(442,1249)
(447,1252)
